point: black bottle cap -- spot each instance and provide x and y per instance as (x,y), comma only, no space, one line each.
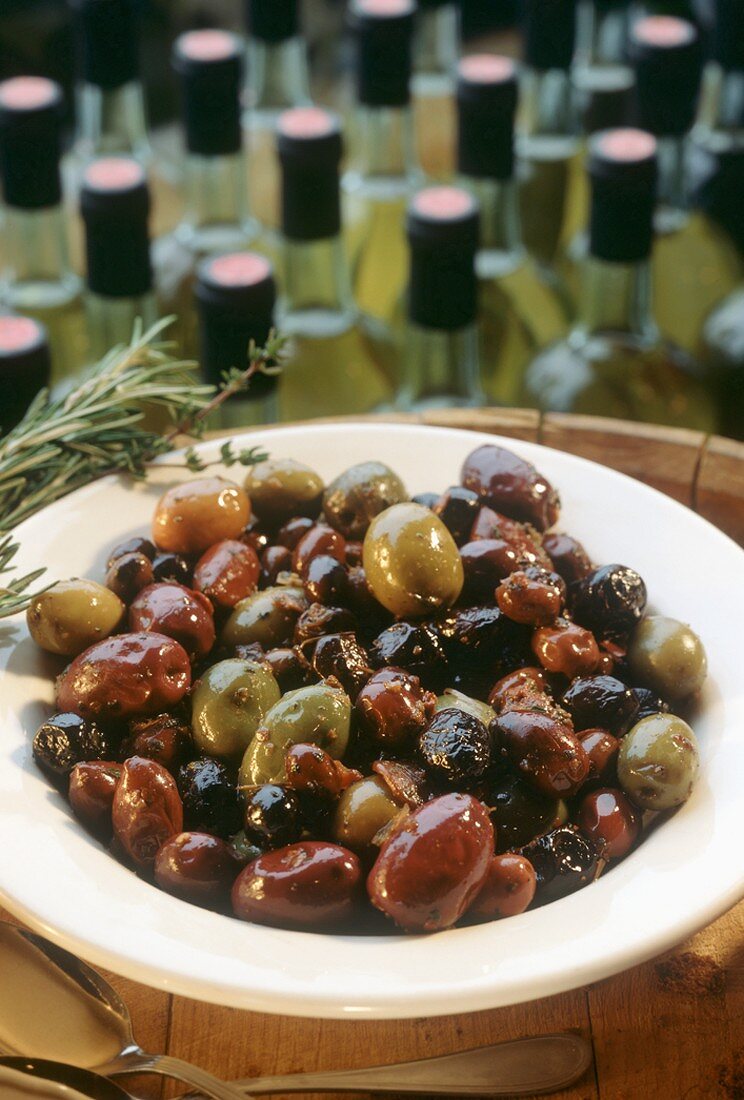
(115,205)
(25,366)
(235,294)
(605,97)
(30,141)
(273,20)
(210,65)
(310,145)
(667,57)
(383,33)
(486,104)
(108,41)
(622,169)
(549,30)
(426,4)
(443,229)
(727,47)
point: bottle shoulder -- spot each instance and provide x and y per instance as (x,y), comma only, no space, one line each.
(723,331)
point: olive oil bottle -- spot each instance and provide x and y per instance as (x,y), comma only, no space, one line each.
(25,366)
(436,52)
(722,351)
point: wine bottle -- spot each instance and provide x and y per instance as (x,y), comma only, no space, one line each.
(235,296)
(38,279)
(340,360)
(436,52)
(519,311)
(278,79)
(695,265)
(614,362)
(441,364)
(25,366)
(383,173)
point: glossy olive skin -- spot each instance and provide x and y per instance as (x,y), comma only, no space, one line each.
(281,488)
(196,867)
(91,794)
(163,738)
(290,533)
(508,889)
(432,868)
(564,861)
(511,485)
(567,648)
(341,657)
(177,612)
(412,563)
(268,617)
(602,701)
(523,541)
(128,575)
(362,811)
(457,509)
(455,749)
(127,676)
(65,740)
(229,703)
(227,572)
(610,820)
(610,601)
(210,798)
(272,816)
(134,545)
(274,560)
(319,619)
(311,885)
(193,516)
(406,782)
(485,563)
(320,541)
(474,707)
(326,580)
(544,750)
(658,762)
(312,770)
(518,811)
(531,595)
(146,810)
(602,749)
(393,707)
(415,647)
(519,689)
(290,668)
(667,656)
(357,495)
(72,615)
(570,559)
(173,568)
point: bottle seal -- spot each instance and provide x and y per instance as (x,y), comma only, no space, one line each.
(210,65)
(549,32)
(115,207)
(310,146)
(25,366)
(443,229)
(108,37)
(31,142)
(383,35)
(667,57)
(486,105)
(272,21)
(622,169)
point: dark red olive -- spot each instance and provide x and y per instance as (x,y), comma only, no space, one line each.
(252,535)
(196,867)
(519,689)
(406,782)
(310,769)
(318,540)
(568,556)
(91,794)
(311,885)
(319,619)
(566,647)
(326,580)
(457,509)
(545,750)
(532,595)
(341,656)
(522,540)
(227,572)
(146,810)
(163,738)
(290,533)
(508,889)
(601,701)
(485,563)
(178,613)
(128,575)
(275,560)
(393,707)
(134,545)
(610,821)
(511,485)
(602,749)
(433,866)
(290,667)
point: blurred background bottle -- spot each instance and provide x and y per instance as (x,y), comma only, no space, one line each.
(25,366)
(436,52)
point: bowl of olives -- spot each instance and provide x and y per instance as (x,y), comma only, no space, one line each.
(397,721)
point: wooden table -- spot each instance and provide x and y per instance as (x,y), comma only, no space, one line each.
(672,1029)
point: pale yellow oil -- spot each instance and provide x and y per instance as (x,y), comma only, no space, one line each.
(66,325)
(549,192)
(435,126)
(378,253)
(264,175)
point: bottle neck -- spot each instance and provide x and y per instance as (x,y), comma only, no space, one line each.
(500,225)
(217,216)
(112,121)
(35,247)
(547,104)
(317,286)
(671,191)
(385,149)
(602,33)
(721,111)
(436,48)
(442,367)
(111,320)
(617,297)
(277,76)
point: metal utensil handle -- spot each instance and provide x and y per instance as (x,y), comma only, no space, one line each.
(199,1079)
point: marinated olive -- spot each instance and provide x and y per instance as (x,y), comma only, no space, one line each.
(602,749)
(610,601)
(508,889)
(455,749)
(173,568)
(355,497)
(319,714)
(457,509)
(272,816)
(341,657)
(393,707)
(522,540)
(128,676)
(290,668)
(433,866)
(281,488)
(310,769)
(320,541)
(566,647)
(531,595)
(242,850)
(511,485)
(229,703)
(274,561)
(72,615)
(326,580)
(412,563)
(128,575)
(649,703)
(210,798)
(415,647)
(406,782)
(667,656)
(163,738)
(519,690)
(353,554)
(319,619)
(227,572)
(177,612)
(196,867)
(610,821)
(268,617)
(564,861)
(65,740)
(146,810)
(310,885)
(91,794)
(570,559)
(482,642)
(544,750)
(518,811)
(485,563)
(457,699)
(193,516)
(134,545)
(658,762)
(252,535)
(428,499)
(363,810)
(601,701)
(290,533)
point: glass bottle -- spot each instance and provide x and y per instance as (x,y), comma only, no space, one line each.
(340,361)
(722,351)
(277,80)
(436,52)
(25,366)
(37,278)
(601,32)
(519,311)
(235,297)
(383,173)
(614,362)
(441,363)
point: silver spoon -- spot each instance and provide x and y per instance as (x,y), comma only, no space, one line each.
(35,1077)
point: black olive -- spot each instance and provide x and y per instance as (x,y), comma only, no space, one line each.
(272,816)
(135,545)
(172,567)
(609,601)
(564,861)
(457,509)
(290,667)
(244,851)
(482,645)
(317,619)
(341,656)
(210,798)
(417,648)
(429,500)
(519,812)
(456,749)
(65,740)
(326,580)
(602,702)
(649,703)
(568,556)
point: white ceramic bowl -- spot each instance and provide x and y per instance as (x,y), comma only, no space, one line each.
(686,873)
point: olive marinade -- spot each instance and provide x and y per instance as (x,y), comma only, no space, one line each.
(300,699)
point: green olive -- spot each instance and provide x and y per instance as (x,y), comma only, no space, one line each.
(363,809)
(280,488)
(229,703)
(412,564)
(359,494)
(268,617)
(72,615)
(318,715)
(453,698)
(658,762)
(667,655)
